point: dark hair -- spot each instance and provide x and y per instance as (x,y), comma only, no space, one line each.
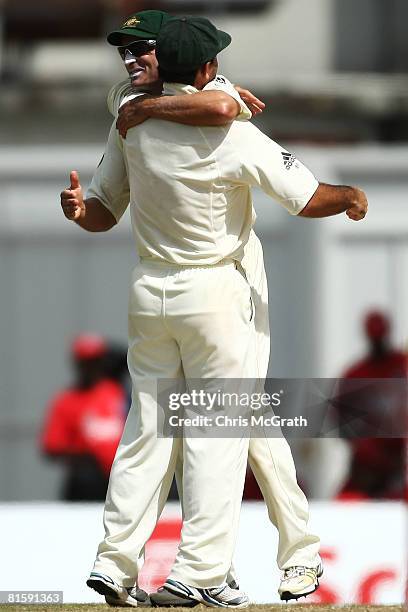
(188,78)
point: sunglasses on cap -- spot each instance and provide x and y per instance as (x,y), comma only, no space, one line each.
(137,48)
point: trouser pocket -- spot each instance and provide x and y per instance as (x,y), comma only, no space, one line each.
(240,270)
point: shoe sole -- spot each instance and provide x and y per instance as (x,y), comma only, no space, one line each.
(102,588)
(121,603)
(203,598)
(213,603)
(112,598)
(165,602)
(287,595)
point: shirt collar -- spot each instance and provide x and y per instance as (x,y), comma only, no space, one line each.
(177,89)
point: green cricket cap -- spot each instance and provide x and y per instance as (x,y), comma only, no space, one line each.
(186,43)
(145,25)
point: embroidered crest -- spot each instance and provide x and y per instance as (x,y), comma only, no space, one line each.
(130,23)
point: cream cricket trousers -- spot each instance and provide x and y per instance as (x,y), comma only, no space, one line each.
(184,323)
(270,458)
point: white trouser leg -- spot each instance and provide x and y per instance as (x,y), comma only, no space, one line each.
(232,575)
(272,464)
(271,458)
(138,488)
(212,325)
(144,464)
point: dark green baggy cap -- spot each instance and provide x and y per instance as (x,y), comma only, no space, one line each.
(145,25)
(186,43)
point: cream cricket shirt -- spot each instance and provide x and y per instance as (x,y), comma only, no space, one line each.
(190,187)
(110,183)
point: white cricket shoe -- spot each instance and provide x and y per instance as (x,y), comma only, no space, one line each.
(218,597)
(116,595)
(299,581)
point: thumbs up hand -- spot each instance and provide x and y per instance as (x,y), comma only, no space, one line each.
(72,200)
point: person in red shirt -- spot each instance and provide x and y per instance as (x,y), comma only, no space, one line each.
(378,463)
(84,423)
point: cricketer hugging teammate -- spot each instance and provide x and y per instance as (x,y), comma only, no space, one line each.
(183,154)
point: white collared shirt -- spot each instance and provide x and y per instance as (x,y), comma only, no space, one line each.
(110,182)
(190,187)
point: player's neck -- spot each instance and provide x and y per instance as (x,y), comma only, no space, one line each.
(155,89)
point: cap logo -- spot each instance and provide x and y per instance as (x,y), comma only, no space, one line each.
(130,23)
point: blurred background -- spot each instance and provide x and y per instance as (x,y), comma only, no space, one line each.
(334,76)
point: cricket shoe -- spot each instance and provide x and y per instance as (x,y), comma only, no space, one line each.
(218,597)
(299,581)
(164,598)
(116,595)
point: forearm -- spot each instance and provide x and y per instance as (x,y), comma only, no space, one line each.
(330,200)
(109,185)
(207,108)
(95,217)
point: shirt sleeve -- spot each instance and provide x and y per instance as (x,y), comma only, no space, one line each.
(264,163)
(120,94)
(116,95)
(221,83)
(110,183)
(131,95)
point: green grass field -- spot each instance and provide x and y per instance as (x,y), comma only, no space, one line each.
(264,608)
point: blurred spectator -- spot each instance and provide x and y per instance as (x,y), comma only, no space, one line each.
(84,422)
(377,467)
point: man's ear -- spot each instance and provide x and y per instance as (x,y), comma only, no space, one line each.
(201,76)
(203,71)
(209,68)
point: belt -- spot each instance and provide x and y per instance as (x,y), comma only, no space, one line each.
(166,264)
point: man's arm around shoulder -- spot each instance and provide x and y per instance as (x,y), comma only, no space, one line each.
(207,108)
(211,107)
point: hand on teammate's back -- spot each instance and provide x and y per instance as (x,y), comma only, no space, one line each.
(255,105)
(72,200)
(132,114)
